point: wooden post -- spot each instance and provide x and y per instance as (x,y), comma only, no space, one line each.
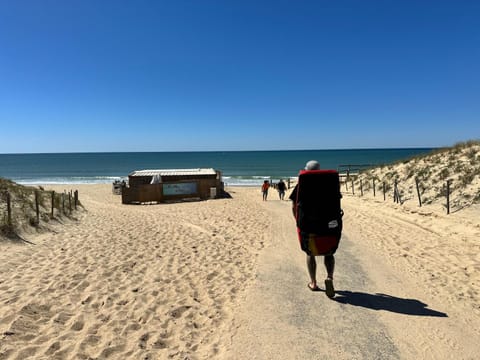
(396,195)
(353,188)
(448,196)
(418,193)
(63,202)
(76,197)
(395,191)
(53,204)
(37,208)
(384,192)
(9,210)
(373,187)
(70,202)
(361,187)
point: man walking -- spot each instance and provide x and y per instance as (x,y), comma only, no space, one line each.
(281,187)
(307,238)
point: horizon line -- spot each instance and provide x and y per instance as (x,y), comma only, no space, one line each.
(205,151)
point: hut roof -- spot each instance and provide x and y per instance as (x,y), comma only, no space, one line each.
(173,172)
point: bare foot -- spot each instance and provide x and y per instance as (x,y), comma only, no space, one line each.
(313,286)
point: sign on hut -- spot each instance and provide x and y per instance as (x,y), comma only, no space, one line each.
(146,186)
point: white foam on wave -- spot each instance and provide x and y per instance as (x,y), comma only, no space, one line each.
(69,180)
(254,181)
(228,180)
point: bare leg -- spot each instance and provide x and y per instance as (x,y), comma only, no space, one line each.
(312,271)
(329,262)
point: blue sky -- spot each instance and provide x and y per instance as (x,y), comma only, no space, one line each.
(81,76)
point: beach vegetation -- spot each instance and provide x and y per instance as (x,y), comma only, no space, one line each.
(391,175)
(442,191)
(460,164)
(472,155)
(411,171)
(477,197)
(388,187)
(466,144)
(18,207)
(444,173)
(423,173)
(467,177)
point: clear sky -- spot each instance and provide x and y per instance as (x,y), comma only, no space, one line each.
(99,75)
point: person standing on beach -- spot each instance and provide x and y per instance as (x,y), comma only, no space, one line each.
(329,259)
(281,187)
(265,187)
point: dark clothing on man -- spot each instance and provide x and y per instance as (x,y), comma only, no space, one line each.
(281,187)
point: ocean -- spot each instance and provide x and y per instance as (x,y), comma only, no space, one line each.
(239,168)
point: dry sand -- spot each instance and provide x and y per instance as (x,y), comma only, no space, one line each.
(226,279)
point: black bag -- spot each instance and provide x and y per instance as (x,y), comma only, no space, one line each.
(318,208)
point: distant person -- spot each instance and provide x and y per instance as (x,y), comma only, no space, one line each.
(305,237)
(265,187)
(281,187)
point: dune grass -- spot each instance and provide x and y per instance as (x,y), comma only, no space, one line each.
(459,165)
(23,207)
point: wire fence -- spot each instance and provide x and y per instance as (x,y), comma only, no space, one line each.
(392,189)
(34,206)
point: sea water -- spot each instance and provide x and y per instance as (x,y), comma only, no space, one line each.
(239,168)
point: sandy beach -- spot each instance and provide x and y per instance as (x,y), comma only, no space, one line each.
(135,137)
(226,279)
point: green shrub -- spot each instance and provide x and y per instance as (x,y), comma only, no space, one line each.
(444,173)
(467,177)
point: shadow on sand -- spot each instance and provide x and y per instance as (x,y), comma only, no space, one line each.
(386,302)
(10,235)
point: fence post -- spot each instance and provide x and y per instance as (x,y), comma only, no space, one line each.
(53,203)
(75,194)
(399,199)
(70,202)
(9,210)
(353,188)
(395,191)
(448,196)
(373,187)
(37,208)
(63,202)
(384,192)
(418,193)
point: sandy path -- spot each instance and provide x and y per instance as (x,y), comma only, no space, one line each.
(130,282)
(379,311)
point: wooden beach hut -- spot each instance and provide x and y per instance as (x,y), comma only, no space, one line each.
(146,186)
